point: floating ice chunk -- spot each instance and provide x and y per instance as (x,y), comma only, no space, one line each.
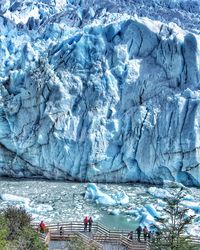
(93,193)
(159,192)
(105,200)
(121,198)
(40,208)
(195,206)
(173,184)
(160,204)
(194,230)
(133,212)
(11,197)
(188,197)
(145,218)
(25,202)
(152,211)
(100,197)
(115,212)
(190,212)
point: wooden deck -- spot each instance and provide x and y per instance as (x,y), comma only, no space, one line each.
(100,238)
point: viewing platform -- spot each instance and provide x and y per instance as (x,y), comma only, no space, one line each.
(100,237)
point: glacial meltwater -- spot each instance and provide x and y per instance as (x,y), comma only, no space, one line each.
(60,202)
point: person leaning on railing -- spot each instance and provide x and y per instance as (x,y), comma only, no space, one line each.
(90,221)
(138,230)
(61,231)
(85,223)
(130,235)
(145,232)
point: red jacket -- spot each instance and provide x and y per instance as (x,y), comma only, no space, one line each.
(42,225)
(86,220)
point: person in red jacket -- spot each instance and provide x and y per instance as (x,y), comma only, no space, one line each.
(85,223)
(42,226)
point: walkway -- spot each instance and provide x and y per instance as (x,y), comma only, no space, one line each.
(101,238)
(63,245)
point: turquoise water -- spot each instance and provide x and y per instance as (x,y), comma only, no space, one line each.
(118,222)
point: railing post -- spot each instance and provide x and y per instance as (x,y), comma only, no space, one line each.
(71,226)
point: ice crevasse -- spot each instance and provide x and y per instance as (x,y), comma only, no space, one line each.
(116,101)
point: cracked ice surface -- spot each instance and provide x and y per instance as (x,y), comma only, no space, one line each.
(114,99)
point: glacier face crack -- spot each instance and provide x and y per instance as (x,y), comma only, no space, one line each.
(113,101)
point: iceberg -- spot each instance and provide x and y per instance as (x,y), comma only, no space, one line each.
(145,218)
(152,211)
(121,198)
(95,194)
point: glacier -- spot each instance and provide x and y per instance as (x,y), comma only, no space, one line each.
(93,92)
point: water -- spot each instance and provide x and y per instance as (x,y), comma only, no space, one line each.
(57,202)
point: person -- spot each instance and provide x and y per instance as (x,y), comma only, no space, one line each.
(130,235)
(90,223)
(149,235)
(61,231)
(138,230)
(145,232)
(42,226)
(85,223)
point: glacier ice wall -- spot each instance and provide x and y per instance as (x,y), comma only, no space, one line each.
(114,100)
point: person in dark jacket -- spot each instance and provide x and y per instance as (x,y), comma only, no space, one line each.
(61,231)
(145,232)
(90,223)
(130,235)
(138,230)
